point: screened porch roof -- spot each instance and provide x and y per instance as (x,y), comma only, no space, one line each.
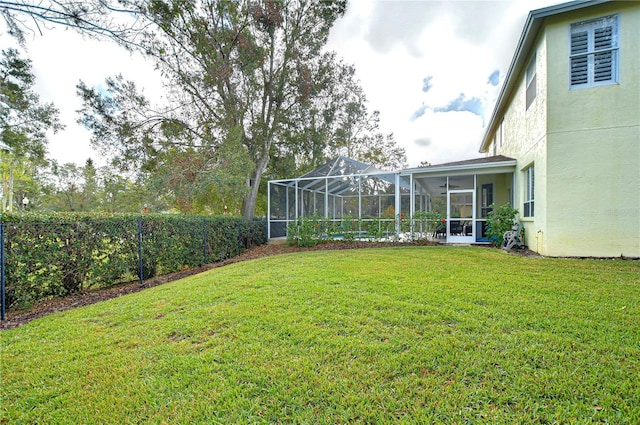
(341,166)
(340,175)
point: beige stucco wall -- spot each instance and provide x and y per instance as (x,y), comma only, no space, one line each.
(524,139)
(584,143)
(593,147)
(594,193)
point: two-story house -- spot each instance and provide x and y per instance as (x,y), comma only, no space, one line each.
(569,114)
(562,146)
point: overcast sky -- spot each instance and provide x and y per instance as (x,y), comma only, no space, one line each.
(433,69)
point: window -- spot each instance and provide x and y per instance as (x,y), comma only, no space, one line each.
(530,78)
(529,181)
(594,52)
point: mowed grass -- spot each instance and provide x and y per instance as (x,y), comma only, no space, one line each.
(392,335)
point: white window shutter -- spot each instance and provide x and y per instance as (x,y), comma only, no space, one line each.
(594,52)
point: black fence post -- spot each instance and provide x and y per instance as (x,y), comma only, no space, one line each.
(140,269)
(2,281)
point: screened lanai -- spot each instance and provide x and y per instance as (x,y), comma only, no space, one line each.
(341,188)
(461,193)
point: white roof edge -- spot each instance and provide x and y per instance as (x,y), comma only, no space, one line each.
(407,171)
(444,167)
(528,36)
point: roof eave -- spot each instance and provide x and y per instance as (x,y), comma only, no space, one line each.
(461,167)
(527,38)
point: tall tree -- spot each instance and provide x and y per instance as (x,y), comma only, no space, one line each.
(69,187)
(19,181)
(118,193)
(90,189)
(73,188)
(234,65)
(341,125)
(24,120)
(360,138)
(67,184)
(193,174)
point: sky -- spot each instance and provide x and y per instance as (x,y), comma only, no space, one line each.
(432,68)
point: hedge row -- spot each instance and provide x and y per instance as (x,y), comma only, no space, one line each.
(60,254)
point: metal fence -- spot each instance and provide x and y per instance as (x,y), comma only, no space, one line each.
(42,259)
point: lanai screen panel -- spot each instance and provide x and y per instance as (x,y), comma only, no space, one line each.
(405,196)
(338,189)
(342,187)
(278,201)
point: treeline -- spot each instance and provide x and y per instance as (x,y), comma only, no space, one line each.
(74,188)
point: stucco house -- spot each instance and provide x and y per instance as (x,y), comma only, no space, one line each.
(562,146)
(569,114)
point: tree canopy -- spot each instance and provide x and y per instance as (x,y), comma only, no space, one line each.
(24,123)
(24,120)
(250,91)
(254,72)
(102,18)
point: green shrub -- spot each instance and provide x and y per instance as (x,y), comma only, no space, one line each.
(499,221)
(349,227)
(374,229)
(427,221)
(405,222)
(49,255)
(306,231)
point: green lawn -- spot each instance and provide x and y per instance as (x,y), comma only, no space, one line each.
(392,335)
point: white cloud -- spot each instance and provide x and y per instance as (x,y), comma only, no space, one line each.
(454,46)
(398,23)
(60,59)
(439,137)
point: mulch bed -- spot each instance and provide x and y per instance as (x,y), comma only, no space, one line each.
(15,318)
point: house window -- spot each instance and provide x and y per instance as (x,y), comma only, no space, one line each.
(530,78)
(594,52)
(529,181)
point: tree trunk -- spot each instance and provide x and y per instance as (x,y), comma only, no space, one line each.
(249,200)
